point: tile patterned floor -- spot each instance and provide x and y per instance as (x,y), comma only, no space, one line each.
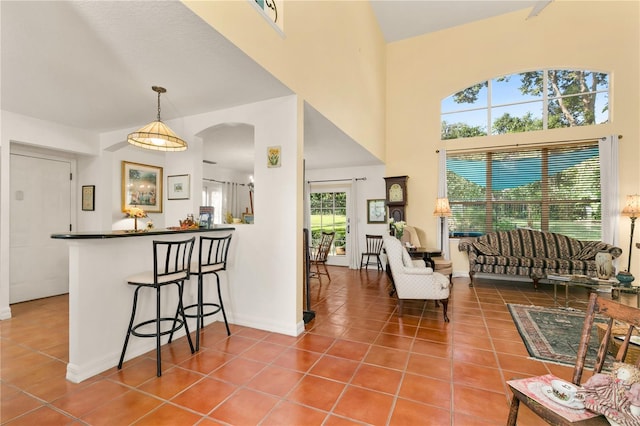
(357,363)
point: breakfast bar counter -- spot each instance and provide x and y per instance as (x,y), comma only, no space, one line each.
(100,299)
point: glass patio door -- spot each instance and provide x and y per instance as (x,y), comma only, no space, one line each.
(329,213)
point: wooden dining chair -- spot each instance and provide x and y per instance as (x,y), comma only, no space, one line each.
(615,313)
(374,249)
(320,254)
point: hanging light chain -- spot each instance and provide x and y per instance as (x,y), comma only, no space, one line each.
(159,90)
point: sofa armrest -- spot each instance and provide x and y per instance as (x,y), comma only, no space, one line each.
(418,271)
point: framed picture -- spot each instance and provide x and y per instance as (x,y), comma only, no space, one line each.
(142,187)
(247,218)
(178,187)
(376,211)
(273,156)
(88,198)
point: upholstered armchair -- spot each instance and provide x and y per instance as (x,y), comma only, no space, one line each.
(412,279)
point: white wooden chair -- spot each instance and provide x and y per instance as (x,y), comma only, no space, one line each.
(412,279)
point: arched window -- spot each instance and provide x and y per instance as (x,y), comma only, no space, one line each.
(535,100)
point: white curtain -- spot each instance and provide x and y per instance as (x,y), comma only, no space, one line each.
(352,226)
(609,191)
(443,237)
(230,200)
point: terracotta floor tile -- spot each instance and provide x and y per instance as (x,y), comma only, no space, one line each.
(204,395)
(16,403)
(347,371)
(477,376)
(87,399)
(377,378)
(245,407)
(473,342)
(43,416)
(168,415)
(172,382)
(233,344)
(238,371)
(314,343)
(510,347)
(482,357)
(442,350)
(206,360)
(426,390)
(135,372)
(340,421)
(122,410)
(264,352)
(288,413)
(414,413)
(394,341)
(364,405)
(522,363)
(334,368)
(425,365)
(387,357)
(348,349)
(275,380)
(316,392)
(400,329)
(297,359)
(360,335)
(483,404)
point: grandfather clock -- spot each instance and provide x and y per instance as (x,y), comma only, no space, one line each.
(396,197)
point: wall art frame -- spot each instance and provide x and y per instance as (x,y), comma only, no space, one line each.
(142,187)
(178,187)
(376,211)
(88,198)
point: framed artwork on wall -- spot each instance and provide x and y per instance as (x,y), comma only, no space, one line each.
(273,156)
(178,187)
(88,198)
(376,211)
(142,187)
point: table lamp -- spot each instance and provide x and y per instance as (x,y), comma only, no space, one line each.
(442,210)
(632,210)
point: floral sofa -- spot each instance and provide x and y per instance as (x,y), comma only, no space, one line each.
(531,253)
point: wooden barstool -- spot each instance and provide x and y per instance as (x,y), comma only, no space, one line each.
(171,262)
(212,259)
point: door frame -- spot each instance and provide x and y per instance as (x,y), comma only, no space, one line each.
(334,260)
(18,148)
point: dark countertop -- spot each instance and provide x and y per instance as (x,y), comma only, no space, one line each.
(126,233)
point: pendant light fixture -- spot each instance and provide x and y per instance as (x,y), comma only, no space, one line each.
(157,135)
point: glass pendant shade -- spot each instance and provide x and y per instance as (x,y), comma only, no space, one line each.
(157,135)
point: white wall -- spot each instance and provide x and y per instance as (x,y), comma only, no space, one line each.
(266,287)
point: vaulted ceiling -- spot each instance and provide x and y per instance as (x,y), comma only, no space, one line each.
(91,65)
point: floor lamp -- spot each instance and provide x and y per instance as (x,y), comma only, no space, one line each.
(442,210)
(631,209)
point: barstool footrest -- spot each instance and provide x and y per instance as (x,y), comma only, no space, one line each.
(179,324)
(216,308)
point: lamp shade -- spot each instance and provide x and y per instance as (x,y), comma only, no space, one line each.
(157,135)
(632,206)
(442,207)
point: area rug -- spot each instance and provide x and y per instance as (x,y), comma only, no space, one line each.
(553,334)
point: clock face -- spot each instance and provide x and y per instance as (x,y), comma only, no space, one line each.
(395,193)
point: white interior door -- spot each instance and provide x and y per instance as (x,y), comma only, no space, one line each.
(40,206)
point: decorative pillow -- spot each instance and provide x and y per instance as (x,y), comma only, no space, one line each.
(590,249)
(485,248)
